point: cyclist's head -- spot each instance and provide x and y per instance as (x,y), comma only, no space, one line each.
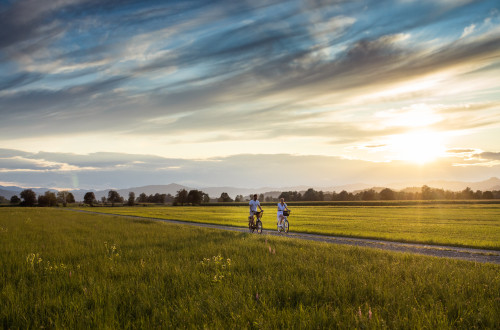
(255,197)
(282,200)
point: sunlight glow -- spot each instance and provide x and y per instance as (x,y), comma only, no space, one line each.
(419,147)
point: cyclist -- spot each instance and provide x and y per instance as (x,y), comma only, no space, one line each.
(254,203)
(281,207)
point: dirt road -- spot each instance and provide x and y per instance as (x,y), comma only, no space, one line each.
(470,254)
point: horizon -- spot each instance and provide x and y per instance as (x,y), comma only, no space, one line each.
(280,93)
(355,187)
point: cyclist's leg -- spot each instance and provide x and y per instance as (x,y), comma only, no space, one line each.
(250,218)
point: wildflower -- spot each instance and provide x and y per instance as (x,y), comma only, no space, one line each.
(257,296)
(370,313)
(359,312)
(269,249)
(70,273)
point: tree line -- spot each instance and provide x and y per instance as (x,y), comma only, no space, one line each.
(197,197)
(423,193)
(49,198)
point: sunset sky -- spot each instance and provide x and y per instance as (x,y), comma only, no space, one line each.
(115,94)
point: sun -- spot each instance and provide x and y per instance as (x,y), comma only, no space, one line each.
(418,146)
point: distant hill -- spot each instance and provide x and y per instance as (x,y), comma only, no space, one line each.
(214,192)
(490,184)
(8,193)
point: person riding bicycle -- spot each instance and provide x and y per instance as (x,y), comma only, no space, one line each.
(281,207)
(254,203)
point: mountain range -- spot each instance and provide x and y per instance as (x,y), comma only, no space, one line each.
(172,188)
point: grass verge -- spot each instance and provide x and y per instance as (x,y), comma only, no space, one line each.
(72,270)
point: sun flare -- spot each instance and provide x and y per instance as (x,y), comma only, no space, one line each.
(419,147)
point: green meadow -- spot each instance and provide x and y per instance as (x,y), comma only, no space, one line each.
(62,269)
(467,225)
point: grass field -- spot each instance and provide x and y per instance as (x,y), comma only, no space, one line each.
(474,225)
(72,270)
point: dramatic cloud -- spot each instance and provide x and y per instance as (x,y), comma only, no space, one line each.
(202,79)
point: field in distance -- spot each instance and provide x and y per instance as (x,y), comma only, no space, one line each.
(63,269)
(467,225)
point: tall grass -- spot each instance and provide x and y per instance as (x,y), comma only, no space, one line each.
(69,270)
(460,225)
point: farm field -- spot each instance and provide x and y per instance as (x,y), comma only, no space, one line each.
(74,270)
(467,225)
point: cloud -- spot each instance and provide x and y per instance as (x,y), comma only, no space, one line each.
(192,72)
(119,170)
(490,155)
(468,30)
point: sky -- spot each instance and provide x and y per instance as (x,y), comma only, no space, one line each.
(116,94)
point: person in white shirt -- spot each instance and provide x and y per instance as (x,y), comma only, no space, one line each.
(281,207)
(254,203)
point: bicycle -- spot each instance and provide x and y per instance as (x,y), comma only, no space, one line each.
(285,224)
(257,225)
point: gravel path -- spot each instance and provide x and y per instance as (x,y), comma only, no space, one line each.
(470,254)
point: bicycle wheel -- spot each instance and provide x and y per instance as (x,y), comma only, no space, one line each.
(259,227)
(286,226)
(250,227)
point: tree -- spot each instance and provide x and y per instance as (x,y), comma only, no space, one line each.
(29,197)
(103,200)
(224,198)
(344,196)
(239,198)
(290,196)
(195,197)
(181,197)
(70,198)
(114,197)
(368,195)
(89,198)
(143,198)
(65,197)
(310,195)
(206,198)
(131,198)
(387,194)
(47,199)
(157,198)
(486,195)
(426,192)
(467,193)
(15,200)
(478,194)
